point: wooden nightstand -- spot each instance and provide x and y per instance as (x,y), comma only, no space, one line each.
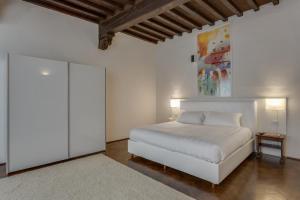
(270,137)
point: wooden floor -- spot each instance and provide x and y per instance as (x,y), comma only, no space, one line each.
(254,179)
(2,171)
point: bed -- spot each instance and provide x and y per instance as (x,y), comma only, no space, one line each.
(209,152)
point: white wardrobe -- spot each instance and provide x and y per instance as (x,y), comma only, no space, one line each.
(87,109)
(56,111)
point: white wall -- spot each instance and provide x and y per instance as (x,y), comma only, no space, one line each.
(3,106)
(266,63)
(131,88)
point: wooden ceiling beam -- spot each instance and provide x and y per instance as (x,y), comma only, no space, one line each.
(105,10)
(228,4)
(275,2)
(112,3)
(184,18)
(138,13)
(143,31)
(167,26)
(154,30)
(155,24)
(196,14)
(139,36)
(80,8)
(173,23)
(253,5)
(210,9)
(150,20)
(133,2)
(142,11)
(124,8)
(62,9)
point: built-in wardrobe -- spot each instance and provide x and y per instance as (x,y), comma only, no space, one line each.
(55,110)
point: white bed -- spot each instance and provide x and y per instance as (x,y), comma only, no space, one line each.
(210,152)
(210,143)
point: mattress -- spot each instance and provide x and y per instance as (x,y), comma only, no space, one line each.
(210,143)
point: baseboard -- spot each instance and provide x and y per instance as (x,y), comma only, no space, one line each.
(53,163)
(278,156)
(117,140)
(291,158)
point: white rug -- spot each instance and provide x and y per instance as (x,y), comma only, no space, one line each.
(91,178)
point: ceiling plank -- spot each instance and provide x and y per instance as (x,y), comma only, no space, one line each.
(232,7)
(197,15)
(188,20)
(79,8)
(141,30)
(105,10)
(173,23)
(253,5)
(121,9)
(154,30)
(64,10)
(139,36)
(112,3)
(154,23)
(210,9)
(126,7)
(142,11)
(150,20)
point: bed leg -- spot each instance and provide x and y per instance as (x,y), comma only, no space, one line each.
(165,168)
(213,186)
(132,156)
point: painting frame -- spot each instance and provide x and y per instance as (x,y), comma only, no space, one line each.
(214,62)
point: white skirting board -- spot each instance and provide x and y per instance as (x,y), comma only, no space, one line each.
(214,173)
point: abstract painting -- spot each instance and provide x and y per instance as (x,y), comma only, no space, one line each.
(214,62)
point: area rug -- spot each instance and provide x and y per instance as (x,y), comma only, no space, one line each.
(92,178)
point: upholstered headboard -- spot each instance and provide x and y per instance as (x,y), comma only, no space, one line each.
(247,107)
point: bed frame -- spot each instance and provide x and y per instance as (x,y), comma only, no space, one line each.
(214,173)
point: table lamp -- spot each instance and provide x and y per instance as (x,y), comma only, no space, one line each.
(276,105)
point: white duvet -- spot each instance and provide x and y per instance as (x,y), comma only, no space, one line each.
(210,143)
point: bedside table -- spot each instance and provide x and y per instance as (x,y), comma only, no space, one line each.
(270,137)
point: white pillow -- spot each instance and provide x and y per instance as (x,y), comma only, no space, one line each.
(222,118)
(189,117)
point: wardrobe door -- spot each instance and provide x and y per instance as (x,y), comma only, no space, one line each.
(38,112)
(87,109)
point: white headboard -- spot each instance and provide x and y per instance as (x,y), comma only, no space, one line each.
(247,107)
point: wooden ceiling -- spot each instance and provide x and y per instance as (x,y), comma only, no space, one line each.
(151,20)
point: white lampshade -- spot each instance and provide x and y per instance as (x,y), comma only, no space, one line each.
(175,103)
(275,104)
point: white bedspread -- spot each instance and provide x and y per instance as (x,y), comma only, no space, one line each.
(210,143)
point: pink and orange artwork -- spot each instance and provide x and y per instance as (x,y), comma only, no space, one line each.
(214,62)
